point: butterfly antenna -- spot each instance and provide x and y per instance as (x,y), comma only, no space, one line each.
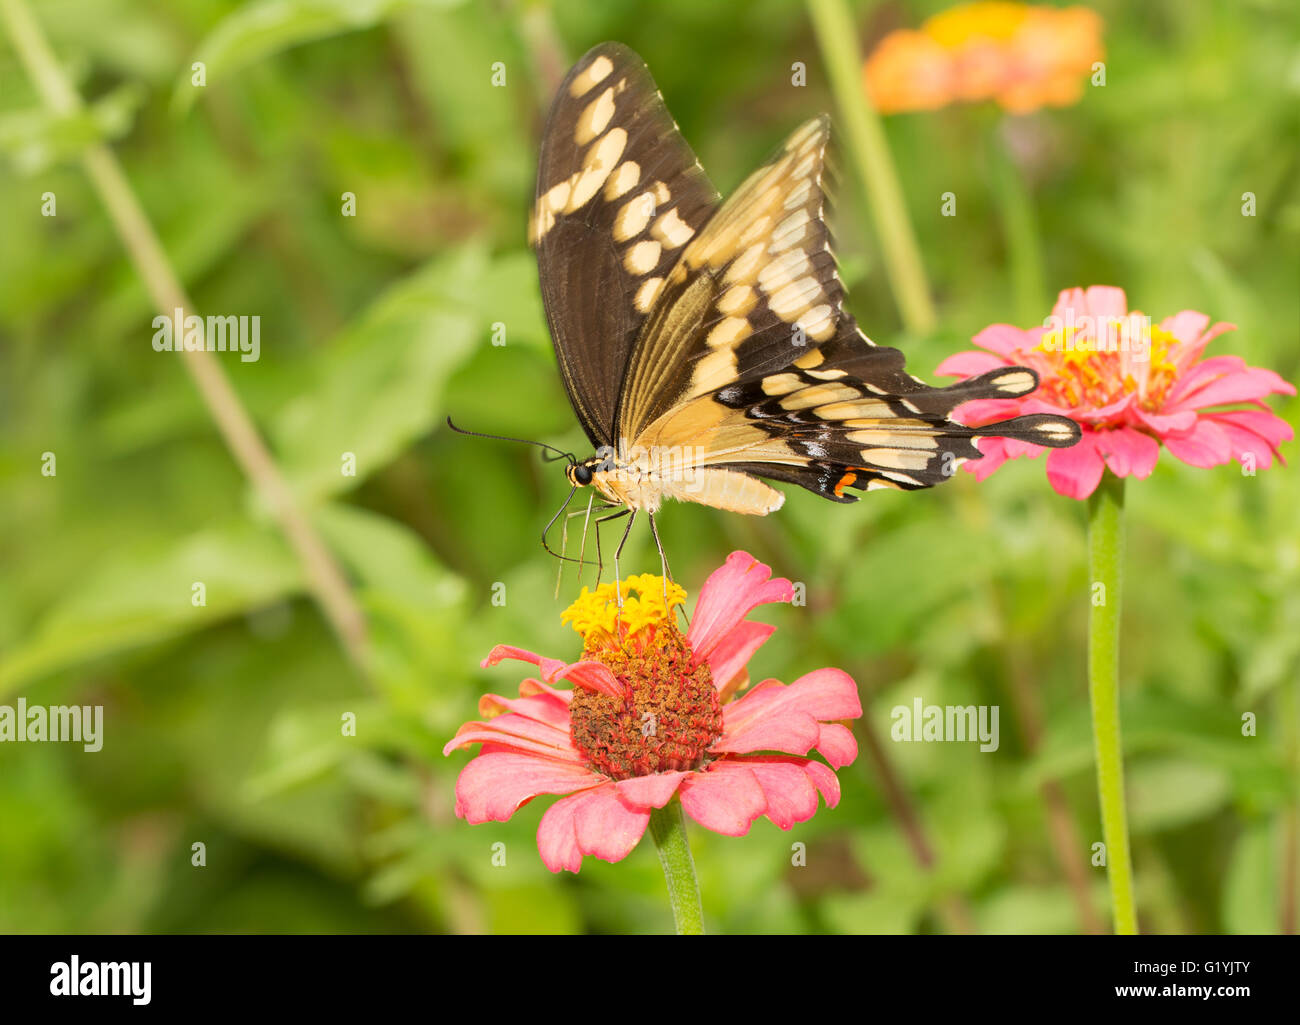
(558,453)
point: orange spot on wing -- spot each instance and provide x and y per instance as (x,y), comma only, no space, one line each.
(845,482)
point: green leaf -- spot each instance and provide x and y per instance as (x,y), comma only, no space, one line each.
(134,599)
(379,386)
(1250,888)
(260,30)
(1169,792)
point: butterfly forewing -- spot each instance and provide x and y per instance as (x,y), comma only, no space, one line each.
(619,195)
(754,289)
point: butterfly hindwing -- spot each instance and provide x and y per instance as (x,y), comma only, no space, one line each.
(846,416)
(619,194)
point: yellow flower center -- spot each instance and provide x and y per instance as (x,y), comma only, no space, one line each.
(1089,372)
(597,618)
(990,20)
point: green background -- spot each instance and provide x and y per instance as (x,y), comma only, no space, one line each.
(222,722)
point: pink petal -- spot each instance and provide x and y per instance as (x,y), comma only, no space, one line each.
(1162,424)
(824,694)
(1106,301)
(733,652)
(775,717)
(1128,452)
(969,364)
(1202,374)
(1104,414)
(547,708)
(1075,472)
(1004,339)
(732,591)
(1186,325)
(1206,445)
(790,730)
(1254,432)
(837,744)
(788,792)
(791,786)
(519,733)
(653,791)
(985,411)
(530,687)
(548,666)
(557,842)
(1070,299)
(588,674)
(1189,328)
(594,822)
(725,798)
(994,455)
(827,783)
(494,785)
(1244,385)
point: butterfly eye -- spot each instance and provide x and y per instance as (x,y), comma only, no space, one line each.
(582,474)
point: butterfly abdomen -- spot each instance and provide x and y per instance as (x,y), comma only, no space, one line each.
(644,481)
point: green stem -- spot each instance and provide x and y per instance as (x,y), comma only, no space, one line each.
(668,828)
(865,137)
(1020,231)
(1105,556)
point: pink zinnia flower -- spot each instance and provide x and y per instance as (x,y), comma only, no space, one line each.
(650,716)
(1131,386)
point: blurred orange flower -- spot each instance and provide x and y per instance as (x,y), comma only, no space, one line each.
(1021,55)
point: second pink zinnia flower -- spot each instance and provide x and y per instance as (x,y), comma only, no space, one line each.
(652,714)
(1131,385)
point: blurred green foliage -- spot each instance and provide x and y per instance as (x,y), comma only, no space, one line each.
(222,722)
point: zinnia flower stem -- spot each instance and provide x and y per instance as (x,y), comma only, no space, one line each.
(668,828)
(1020,229)
(838,38)
(1105,555)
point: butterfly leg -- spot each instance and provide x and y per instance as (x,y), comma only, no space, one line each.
(600,558)
(663,559)
(618,577)
(582,550)
(564,545)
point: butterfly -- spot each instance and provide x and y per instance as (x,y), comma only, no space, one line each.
(703,344)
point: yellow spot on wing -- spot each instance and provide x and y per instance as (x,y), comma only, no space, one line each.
(782,384)
(818,394)
(623,180)
(671,230)
(794,298)
(597,167)
(595,118)
(648,293)
(729,332)
(596,72)
(633,217)
(642,258)
(737,300)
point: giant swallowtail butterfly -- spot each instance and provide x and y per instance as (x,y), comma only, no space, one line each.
(704,345)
